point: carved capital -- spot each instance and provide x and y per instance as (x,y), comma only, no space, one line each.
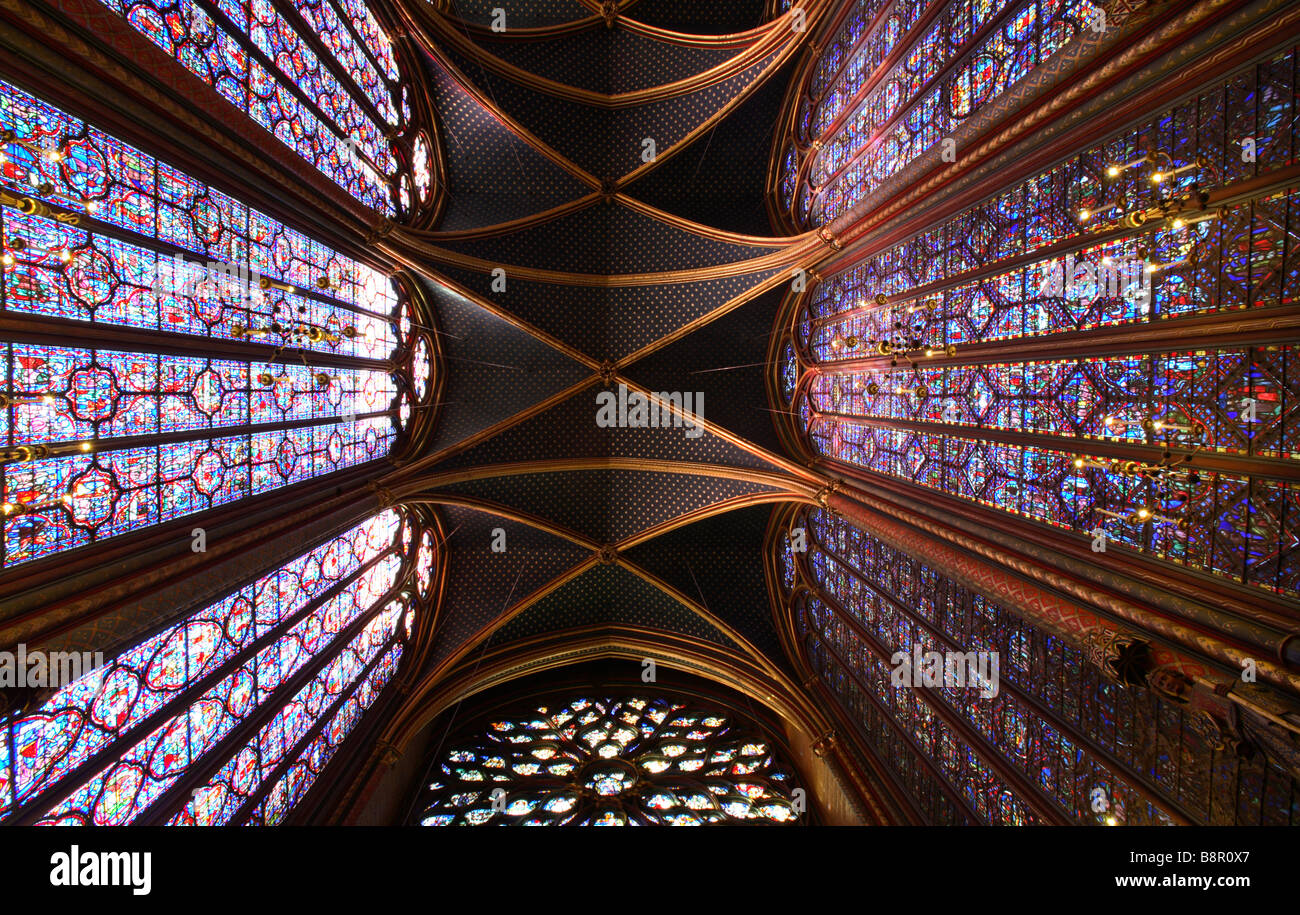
(379,230)
(825,744)
(827,236)
(1170,683)
(1123,658)
(385,496)
(387,752)
(823,496)
(1224,735)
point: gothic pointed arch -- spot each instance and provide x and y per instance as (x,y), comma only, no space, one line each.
(1081,348)
(675,747)
(776,411)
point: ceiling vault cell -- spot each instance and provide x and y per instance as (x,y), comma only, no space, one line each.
(558,287)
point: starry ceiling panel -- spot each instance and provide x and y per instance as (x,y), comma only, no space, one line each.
(535,440)
(610,61)
(696,18)
(494,369)
(492,175)
(610,143)
(608,595)
(607,505)
(482,582)
(720,180)
(603,239)
(726,359)
(520,14)
(608,322)
(718,562)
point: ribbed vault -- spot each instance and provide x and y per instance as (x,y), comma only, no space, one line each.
(555,279)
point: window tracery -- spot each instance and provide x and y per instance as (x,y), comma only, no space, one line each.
(1101,443)
(1112,755)
(315,640)
(863,127)
(101,440)
(321,75)
(611,762)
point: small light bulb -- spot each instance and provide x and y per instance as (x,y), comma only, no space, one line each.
(91,206)
(1113,171)
(1084,215)
(7,259)
(85,446)
(1178,223)
(1078,462)
(1157,178)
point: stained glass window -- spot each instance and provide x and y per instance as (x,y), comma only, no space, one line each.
(422,168)
(1078,443)
(102,440)
(318,74)
(164,732)
(611,762)
(861,126)
(789,372)
(421,369)
(1095,758)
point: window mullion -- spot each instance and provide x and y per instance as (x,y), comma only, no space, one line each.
(328,60)
(173,800)
(93,226)
(362,45)
(35,806)
(284,80)
(1044,805)
(955,796)
(1137,779)
(38,330)
(323,720)
(972,43)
